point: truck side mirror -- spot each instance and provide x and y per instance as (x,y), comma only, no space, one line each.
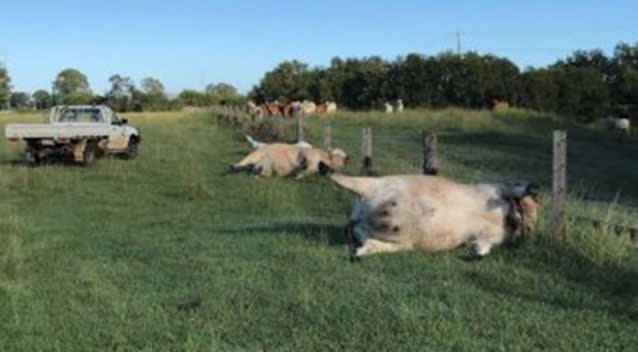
(124,121)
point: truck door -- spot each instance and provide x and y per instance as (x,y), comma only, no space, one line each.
(118,136)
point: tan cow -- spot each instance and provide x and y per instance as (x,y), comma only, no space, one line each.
(273,109)
(429,213)
(308,107)
(322,109)
(281,159)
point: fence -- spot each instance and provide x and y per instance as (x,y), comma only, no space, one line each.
(238,117)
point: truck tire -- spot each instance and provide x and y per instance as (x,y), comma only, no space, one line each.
(131,149)
(33,158)
(89,154)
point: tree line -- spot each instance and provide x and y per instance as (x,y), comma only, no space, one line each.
(585,86)
(72,87)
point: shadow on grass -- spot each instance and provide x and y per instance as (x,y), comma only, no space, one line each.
(323,233)
(595,287)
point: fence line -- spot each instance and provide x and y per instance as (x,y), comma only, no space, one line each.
(237,116)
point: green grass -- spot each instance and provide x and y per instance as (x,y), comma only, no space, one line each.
(101,258)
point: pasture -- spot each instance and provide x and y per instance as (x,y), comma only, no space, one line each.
(165,252)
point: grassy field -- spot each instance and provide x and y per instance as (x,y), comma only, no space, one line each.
(118,256)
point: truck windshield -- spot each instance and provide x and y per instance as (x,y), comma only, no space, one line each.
(79,115)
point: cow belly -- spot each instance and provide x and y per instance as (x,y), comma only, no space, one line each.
(411,224)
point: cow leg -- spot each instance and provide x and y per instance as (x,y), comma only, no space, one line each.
(262,170)
(239,168)
(478,248)
(372,246)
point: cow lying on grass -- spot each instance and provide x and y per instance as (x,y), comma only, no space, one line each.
(429,213)
(281,159)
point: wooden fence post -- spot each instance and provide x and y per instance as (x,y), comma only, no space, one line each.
(300,128)
(430,157)
(366,150)
(279,122)
(559,187)
(327,136)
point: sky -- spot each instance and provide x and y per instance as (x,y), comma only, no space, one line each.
(190,43)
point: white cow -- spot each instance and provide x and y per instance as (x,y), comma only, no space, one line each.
(398,105)
(331,107)
(308,107)
(614,123)
(429,213)
(253,110)
(388,108)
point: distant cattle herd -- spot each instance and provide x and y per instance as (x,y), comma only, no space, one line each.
(306,108)
(291,109)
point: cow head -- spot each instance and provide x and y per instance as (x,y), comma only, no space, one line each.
(338,158)
(524,206)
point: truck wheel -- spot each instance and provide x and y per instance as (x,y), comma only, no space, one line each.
(131,150)
(33,158)
(89,154)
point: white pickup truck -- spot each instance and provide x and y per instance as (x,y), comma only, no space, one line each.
(77,131)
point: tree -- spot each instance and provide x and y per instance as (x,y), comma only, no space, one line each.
(595,59)
(19,100)
(152,85)
(120,94)
(626,55)
(626,88)
(582,93)
(287,82)
(222,92)
(153,94)
(72,87)
(193,98)
(121,87)
(5,87)
(539,90)
(41,99)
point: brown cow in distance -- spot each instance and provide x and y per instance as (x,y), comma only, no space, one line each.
(273,109)
(288,110)
(322,109)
